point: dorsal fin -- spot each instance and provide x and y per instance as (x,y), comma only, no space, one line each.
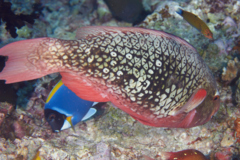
(195,100)
(92,31)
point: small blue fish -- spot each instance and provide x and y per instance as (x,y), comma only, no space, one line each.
(64,109)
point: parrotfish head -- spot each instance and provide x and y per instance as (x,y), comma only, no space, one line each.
(206,109)
(197,110)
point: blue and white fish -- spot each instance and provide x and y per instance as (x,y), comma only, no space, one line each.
(64,109)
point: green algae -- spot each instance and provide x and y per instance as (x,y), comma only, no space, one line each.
(24,32)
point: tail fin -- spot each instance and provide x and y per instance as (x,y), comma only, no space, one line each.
(18,68)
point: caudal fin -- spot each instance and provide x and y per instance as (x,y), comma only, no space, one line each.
(18,66)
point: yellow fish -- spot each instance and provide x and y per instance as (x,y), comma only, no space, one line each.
(37,157)
(196,22)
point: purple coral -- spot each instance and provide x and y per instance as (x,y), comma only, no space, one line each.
(19,131)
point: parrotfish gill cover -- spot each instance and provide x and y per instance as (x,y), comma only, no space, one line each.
(157,78)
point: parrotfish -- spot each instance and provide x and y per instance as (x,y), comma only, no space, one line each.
(157,78)
(64,109)
(196,22)
(189,154)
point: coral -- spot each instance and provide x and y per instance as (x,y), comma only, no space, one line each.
(231,71)
(156,18)
(237,47)
(19,131)
(103,151)
(5,109)
(12,20)
(217,5)
(229,24)
(115,130)
(237,129)
(224,154)
(228,139)
(24,32)
(104,14)
(221,46)
(130,11)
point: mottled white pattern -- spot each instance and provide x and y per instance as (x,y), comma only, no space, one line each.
(155,72)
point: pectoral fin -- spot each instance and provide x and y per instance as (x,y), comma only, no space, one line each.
(196,99)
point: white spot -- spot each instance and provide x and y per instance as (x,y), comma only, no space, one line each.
(167,90)
(140,94)
(156,100)
(129,56)
(76,63)
(101,66)
(119,73)
(113,63)
(145,66)
(132,83)
(53,48)
(87,51)
(90,59)
(99,59)
(163,96)
(115,69)
(65,57)
(61,53)
(136,73)
(172,94)
(158,63)
(113,54)
(150,71)
(117,39)
(147,84)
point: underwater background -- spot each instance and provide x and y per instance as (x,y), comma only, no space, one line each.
(114,134)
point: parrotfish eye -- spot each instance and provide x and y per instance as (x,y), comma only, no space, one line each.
(216,96)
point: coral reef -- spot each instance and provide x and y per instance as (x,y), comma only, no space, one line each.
(237,129)
(231,71)
(12,20)
(114,134)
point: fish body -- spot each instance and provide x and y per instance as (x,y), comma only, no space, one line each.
(196,22)
(157,78)
(64,109)
(131,11)
(37,156)
(189,154)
